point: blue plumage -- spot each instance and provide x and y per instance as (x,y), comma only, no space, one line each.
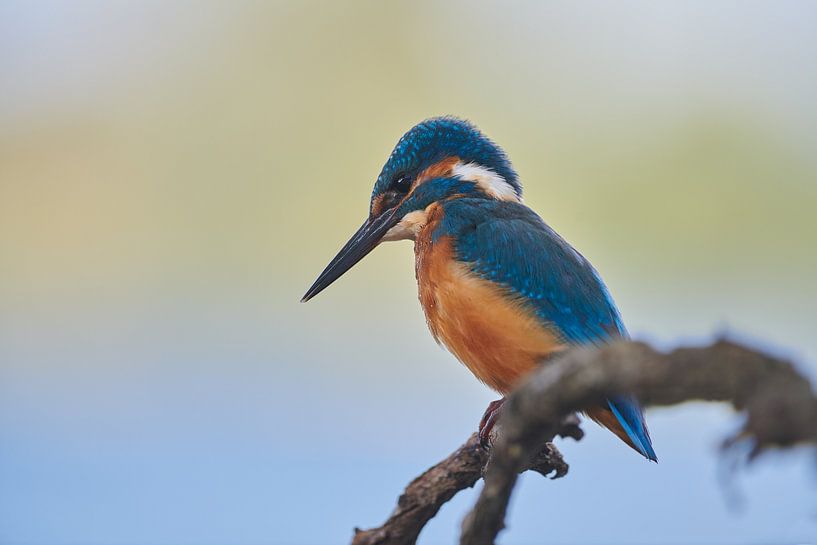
(446,185)
(436,139)
(509,244)
(628,412)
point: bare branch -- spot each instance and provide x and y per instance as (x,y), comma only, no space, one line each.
(425,495)
(781,406)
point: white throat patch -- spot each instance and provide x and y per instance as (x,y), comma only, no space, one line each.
(408,228)
(487,180)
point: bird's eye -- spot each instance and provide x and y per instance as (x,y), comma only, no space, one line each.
(401,184)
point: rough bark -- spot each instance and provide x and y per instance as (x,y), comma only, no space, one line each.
(780,405)
(424,496)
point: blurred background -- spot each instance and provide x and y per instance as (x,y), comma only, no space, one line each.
(173,176)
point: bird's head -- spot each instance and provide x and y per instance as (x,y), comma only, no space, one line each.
(439,159)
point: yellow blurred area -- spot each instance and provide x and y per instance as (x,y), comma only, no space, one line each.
(250,139)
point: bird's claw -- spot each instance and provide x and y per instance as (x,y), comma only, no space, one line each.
(486,424)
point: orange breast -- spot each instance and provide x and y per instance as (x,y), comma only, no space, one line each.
(497,338)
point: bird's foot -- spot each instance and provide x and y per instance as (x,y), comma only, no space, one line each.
(486,425)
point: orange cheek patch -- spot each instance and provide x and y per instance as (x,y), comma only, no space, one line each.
(498,339)
(437,170)
(377,205)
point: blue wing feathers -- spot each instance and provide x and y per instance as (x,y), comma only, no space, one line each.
(509,244)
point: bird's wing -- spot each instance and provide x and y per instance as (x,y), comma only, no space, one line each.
(515,248)
(510,245)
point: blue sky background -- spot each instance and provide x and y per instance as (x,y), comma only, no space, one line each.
(173,176)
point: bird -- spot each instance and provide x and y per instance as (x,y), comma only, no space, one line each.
(500,289)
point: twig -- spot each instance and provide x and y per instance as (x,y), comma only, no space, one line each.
(425,495)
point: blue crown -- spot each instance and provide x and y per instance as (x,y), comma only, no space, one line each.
(437,138)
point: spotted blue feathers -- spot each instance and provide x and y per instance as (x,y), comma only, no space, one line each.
(509,244)
(438,138)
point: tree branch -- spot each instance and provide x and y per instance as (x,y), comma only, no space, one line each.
(781,406)
(425,495)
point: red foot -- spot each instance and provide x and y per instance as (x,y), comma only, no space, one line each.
(486,425)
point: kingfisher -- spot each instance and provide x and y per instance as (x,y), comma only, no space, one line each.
(500,289)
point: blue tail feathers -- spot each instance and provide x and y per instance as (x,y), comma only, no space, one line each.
(628,413)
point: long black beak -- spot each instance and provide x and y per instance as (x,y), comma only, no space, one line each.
(361,243)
